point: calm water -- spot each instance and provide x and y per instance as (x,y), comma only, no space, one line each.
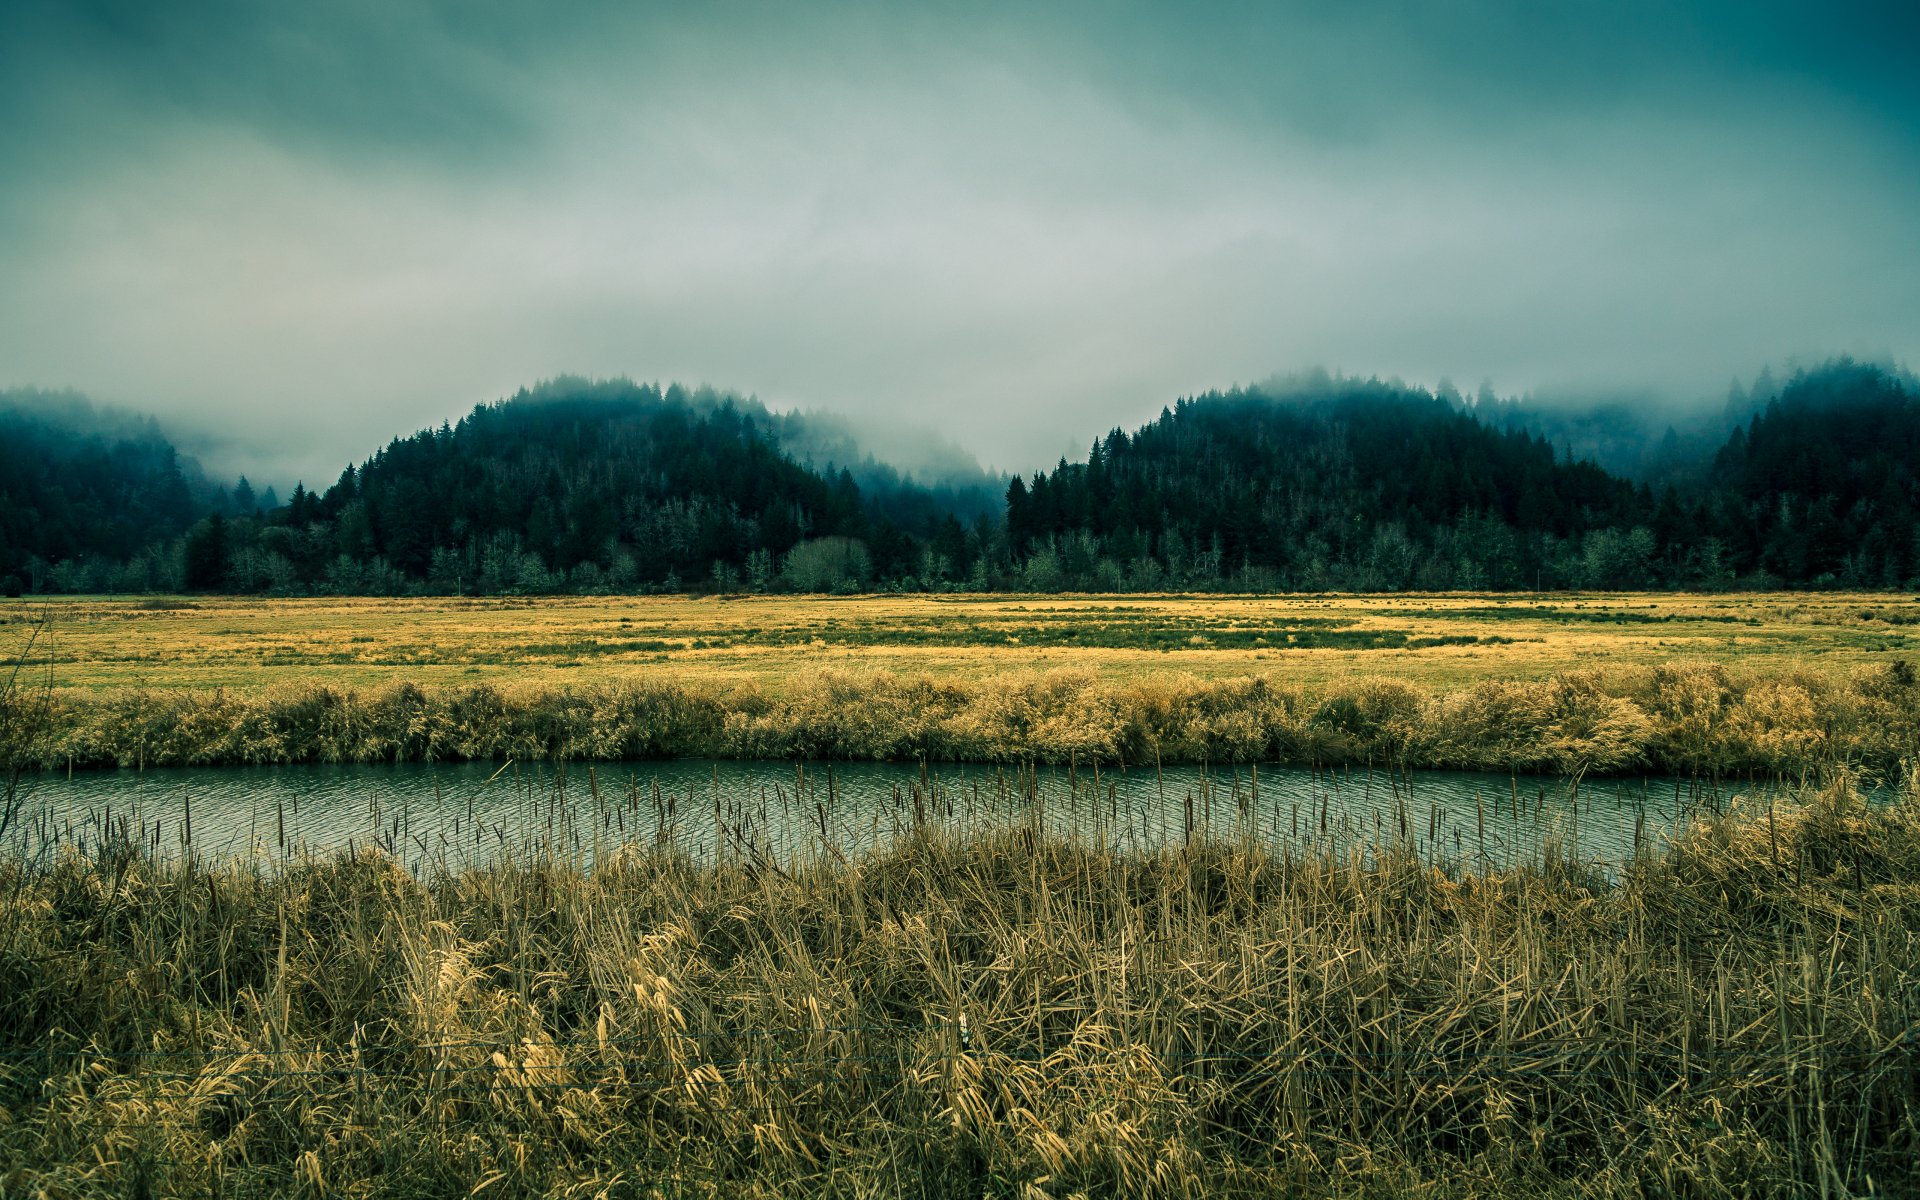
(464,813)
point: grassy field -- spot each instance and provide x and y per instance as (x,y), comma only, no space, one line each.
(1719,685)
(777,642)
(994,1014)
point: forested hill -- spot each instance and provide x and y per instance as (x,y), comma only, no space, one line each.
(1325,483)
(80,482)
(1362,485)
(1825,481)
(584,486)
(1340,483)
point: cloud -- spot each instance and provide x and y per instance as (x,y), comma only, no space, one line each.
(309,229)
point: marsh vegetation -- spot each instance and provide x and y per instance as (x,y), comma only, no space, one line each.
(1696,721)
(994,1011)
(991,1000)
(1696,686)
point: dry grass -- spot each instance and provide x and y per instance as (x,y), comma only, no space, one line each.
(1696,720)
(993,1015)
(779,643)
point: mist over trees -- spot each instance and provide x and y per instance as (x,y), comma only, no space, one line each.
(1316,483)
(85,483)
(1821,484)
(904,472)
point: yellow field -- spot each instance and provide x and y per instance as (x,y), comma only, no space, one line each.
(773,641)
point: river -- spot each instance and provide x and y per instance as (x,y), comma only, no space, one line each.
(451,815)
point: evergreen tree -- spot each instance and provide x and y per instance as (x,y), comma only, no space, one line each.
(207,555)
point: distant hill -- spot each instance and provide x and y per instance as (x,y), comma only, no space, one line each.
(1318,482)
(1823,484)
(1324,482)
(1642,439)
(895,467)
(81,482)
(581,484)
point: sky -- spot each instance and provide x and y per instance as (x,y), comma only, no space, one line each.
(295,231)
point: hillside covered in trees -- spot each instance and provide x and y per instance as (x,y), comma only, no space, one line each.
(80,483)
(1319,483)
(580,486)
(1359,485)
(1345,484)
(1823,483)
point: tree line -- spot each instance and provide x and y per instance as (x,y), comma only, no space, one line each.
(1323,484)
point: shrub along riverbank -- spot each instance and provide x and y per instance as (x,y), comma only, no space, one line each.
(1692,720)
(1737,1014)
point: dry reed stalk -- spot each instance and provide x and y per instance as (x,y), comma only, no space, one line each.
(991,1012)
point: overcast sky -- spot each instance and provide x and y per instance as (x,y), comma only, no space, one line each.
(308,228)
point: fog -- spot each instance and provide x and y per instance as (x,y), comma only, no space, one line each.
(296,231)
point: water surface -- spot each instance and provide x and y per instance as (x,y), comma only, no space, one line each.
(454,814)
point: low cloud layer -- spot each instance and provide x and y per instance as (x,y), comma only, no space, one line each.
(304,229)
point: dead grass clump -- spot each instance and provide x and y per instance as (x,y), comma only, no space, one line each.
(843,715)
(1691,720)
(1185,719)
(1369,719)
(1054,717)
(1591,731)
(991,1013)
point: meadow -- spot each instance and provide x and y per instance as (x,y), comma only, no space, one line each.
(1695,685)
(778,643)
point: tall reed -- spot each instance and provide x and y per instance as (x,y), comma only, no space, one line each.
(1000,1013)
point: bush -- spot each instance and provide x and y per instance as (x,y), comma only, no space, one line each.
(830,564)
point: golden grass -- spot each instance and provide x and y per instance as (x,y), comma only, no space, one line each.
(781,643)
(1694,719)
(994,1015)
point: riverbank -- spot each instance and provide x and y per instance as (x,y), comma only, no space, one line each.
(1690,719)
(997,1014)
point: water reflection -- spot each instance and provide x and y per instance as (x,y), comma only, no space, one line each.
(456,814)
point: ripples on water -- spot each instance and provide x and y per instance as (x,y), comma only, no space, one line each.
(436,816)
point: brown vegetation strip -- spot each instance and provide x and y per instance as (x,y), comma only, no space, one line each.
(1693,719)
(1000,1014)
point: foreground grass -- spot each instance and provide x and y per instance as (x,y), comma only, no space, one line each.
(777,644)
(1736,1015)
(1693,719)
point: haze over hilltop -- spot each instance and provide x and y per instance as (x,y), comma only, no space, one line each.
(304,227)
